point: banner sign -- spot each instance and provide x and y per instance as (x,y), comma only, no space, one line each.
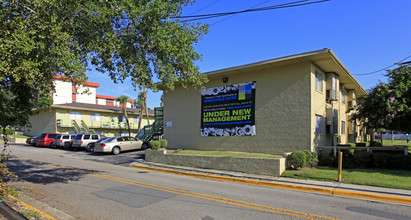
(228,110)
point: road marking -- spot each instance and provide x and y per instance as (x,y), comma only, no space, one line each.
(215,198)
(238,203)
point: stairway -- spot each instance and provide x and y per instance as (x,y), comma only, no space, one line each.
(156,129)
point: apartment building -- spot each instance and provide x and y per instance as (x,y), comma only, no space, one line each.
(277,106)
(74,111)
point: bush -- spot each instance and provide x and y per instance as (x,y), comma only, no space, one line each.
(8,131)
(391,161)
(327,160)
(362,144)
(375,144)
(364,159)
(311,158)
(155,145)
(164,143)
(297,159)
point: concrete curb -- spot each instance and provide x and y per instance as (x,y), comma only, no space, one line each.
(34,209)
(322,190)
(10,213)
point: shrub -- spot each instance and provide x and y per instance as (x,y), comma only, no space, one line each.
(375,144)
(326,160)
(362,144)
(155,145)
(311,158)
(348,145)
(164,143)
(391,161)
(297,159)
(8,131)
(363,159)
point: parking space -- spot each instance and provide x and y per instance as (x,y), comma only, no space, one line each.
(123,159)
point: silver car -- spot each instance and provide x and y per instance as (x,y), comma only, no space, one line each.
(120,143)
(83,140)
(60,140)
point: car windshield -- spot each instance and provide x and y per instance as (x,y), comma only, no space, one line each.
(78,137)
(58,136)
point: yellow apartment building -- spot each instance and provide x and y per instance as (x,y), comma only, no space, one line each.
(277,106)
(72,118)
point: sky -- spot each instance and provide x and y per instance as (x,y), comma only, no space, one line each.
(366,35)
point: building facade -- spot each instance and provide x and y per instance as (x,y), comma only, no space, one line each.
(297,102)
(80,109)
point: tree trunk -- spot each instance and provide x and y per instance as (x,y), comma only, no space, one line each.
(125,114)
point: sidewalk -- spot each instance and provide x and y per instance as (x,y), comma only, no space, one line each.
(331,188)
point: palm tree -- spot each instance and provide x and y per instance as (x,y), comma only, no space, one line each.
(123,100)
(139,103)
(144,97)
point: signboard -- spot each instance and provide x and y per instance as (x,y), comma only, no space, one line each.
(228,110)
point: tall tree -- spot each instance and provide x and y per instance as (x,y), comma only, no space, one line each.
(140,40)
(388,105)
(139,103)
(144,97)
(123,100)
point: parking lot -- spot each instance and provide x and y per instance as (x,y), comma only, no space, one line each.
(123,159)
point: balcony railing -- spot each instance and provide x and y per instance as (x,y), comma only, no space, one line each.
(100,124)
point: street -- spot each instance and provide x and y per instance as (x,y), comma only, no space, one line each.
(99,186)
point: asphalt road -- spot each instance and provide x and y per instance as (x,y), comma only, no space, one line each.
(90,186)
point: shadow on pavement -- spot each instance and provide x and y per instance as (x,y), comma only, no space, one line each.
(43,173)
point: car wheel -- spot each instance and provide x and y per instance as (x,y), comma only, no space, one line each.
(51,145)
(144,146)
(88,148)
(116,150)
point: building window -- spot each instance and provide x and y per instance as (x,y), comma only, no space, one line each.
(342,96)
(318,81)
(136,119)
(75,115)
(121,118)
(95,117)
(318,124)
(109,101)
(342,127)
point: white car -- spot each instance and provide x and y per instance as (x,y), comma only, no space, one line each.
(83,140)
(120,143)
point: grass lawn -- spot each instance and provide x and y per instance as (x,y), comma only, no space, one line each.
(20,136)
(399,179)
(389,142)
(225,154)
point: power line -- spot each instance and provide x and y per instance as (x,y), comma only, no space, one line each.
(205,7)
(236,14)
(273,7)
(376,71)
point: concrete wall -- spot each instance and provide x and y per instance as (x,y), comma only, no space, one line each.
(262,166)
(282,111)
(42,122)
(89,97)
(63,92)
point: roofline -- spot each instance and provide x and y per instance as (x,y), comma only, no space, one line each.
(91,84)
(301,55)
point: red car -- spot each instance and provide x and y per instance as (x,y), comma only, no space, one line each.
(46,139)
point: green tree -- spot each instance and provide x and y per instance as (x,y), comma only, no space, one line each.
(388,105)
(143,41)
(139,103)
(123,101)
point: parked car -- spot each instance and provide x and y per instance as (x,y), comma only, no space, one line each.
(34,140)
(60,140)
(46,139)
(82,140)
(90,146)
(30,140)
(120,143)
